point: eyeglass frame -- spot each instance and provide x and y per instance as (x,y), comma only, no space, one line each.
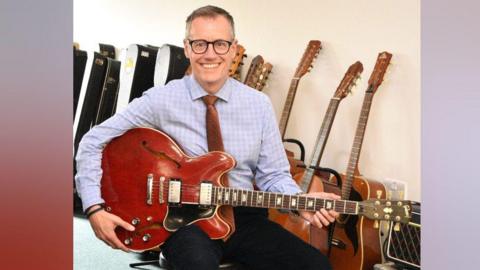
(190,41)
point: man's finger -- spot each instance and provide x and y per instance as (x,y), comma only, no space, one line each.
(316,221)
(322,219)
(116,243)
(327,215)
(119,222)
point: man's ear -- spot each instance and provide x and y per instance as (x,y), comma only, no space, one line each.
(233,47)
(186,48)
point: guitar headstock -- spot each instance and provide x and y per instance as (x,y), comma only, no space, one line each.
(234,70)
(349,80)
(380,209)
(254,69)
(308,57)
(383,60)
(263,76)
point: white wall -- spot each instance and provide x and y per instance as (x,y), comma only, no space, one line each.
(350,30)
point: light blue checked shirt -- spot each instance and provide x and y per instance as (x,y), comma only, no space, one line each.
(249,130)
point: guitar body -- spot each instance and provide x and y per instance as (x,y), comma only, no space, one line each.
(293,223)
(355,241)
(127,163)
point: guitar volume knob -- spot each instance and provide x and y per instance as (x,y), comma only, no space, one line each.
(146,237)
(135,221)
(127,241)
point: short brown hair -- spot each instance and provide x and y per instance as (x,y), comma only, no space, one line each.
(211,12)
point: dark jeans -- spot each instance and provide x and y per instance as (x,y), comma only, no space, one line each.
(257,243)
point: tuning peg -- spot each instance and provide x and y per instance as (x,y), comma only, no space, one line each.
(396,227)
(379,194)
(375,224)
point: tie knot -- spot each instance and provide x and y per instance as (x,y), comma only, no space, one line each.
(209,100)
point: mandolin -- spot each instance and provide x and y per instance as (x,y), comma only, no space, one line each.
(295,224)
(258,72)
(151,183)
(353,242)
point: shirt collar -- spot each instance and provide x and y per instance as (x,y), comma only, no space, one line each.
(196,91)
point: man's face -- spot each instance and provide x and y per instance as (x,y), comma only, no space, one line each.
(210,69)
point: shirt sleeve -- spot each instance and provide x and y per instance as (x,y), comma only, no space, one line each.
(139,113)
(273,170)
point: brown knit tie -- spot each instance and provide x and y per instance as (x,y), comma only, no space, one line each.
(214,133)
(215,143)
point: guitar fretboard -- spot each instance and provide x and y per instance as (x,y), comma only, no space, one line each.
(320,143)
(357,144)
(288,106)
(261,199)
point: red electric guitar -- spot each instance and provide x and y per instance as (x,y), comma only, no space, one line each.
(149,182)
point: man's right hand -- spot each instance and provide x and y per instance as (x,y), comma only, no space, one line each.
(104,224)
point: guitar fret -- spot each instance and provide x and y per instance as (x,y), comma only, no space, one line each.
(234,197)
(250,194)
(213,195)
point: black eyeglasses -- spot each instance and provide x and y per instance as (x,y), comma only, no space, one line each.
(200,46)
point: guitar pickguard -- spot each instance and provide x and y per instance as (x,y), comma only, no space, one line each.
(349,223)
(179,216)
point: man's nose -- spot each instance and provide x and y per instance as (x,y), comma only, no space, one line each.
(210,51)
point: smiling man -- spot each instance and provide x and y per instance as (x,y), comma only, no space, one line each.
(248,131)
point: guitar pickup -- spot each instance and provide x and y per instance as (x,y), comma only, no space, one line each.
(149,188)
(205,199)
(174,192)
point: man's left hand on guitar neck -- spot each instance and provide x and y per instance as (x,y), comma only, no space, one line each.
(323,217)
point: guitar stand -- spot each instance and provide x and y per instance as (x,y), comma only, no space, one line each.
(153,262)
(300,145)
(162,262)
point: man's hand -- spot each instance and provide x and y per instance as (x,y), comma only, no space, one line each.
(323,217)
(104,224)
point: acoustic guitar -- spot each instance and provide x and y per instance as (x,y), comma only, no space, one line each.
(151,183)
(353,242)
(307,180)
(305,65)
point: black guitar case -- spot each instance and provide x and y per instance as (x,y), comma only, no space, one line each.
(79,63)
(92,96)
(108,98)
(107,50)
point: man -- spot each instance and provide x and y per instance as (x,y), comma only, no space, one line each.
(250,134)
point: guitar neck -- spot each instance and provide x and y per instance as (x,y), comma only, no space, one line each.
(321,142)
(261,199)
(357,144)
(287,108)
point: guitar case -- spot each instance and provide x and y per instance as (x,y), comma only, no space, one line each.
(79,63)
(108,99)
(92,96)
(107,50)
(171,64)
(137,73)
